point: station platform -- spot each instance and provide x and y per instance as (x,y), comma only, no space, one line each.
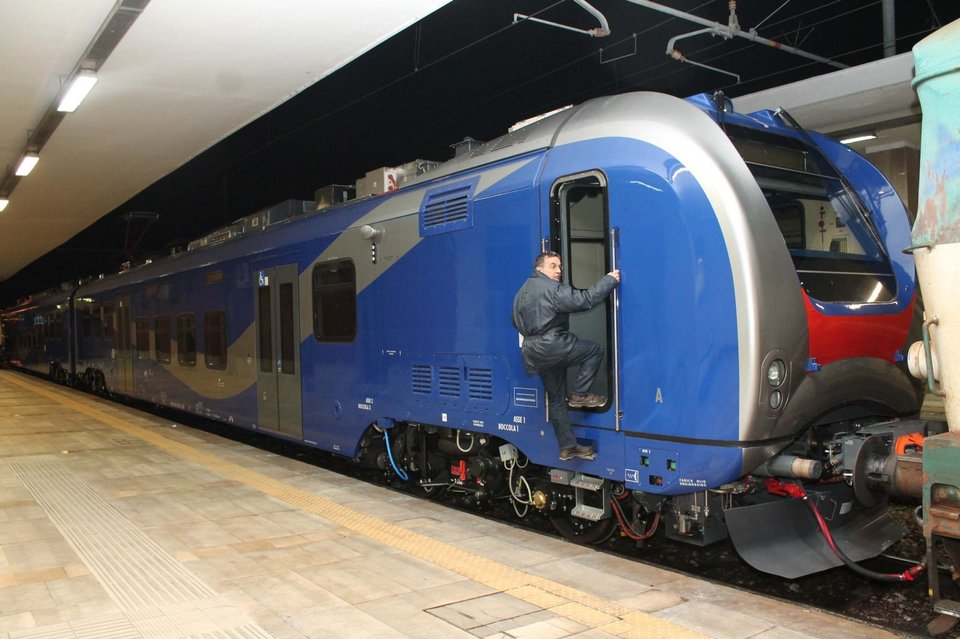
(118,524)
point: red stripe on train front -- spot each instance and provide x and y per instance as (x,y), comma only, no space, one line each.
(837,337)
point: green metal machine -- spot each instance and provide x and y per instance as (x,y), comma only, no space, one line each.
(936,247)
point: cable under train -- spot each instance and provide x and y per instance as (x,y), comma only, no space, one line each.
(753,350)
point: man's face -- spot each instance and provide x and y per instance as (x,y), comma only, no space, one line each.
(551,268)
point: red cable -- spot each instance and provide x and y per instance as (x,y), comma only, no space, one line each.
(797,492)
(628,530)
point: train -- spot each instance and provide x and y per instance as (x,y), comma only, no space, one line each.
(754,348)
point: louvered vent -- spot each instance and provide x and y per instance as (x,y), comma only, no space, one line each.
(421,377)
(448,378)
(447,209)
(480,383)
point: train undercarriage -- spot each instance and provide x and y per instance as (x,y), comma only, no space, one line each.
(826,492)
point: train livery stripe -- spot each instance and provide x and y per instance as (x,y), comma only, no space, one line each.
(562,600)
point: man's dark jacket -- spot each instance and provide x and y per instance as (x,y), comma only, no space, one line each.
(541,312)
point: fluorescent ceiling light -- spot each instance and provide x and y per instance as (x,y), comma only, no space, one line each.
(858,138)
(77,90)
(27,162)
(3,203)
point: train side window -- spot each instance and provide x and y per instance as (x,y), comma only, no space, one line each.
(109,321)
(265,326)
(215,339)
(161,336)
(335,301)
(143,338)
(187,339)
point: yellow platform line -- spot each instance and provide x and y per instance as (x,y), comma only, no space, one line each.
(562,600)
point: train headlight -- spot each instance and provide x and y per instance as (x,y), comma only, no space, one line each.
(775,400)
(776,373)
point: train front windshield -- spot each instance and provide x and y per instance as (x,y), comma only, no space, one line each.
(833,243)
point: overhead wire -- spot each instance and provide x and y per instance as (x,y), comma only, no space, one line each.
(172,193)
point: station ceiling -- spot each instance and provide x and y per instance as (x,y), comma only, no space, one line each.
(206,111)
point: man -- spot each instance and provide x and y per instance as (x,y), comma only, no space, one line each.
(541,312)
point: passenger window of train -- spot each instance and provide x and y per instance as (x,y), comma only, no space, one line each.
(143,338)
(109,321)
(335,301)
(187,339)
(161,337)
(215,340)
(85,312)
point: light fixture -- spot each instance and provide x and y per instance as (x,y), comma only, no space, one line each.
(77,89)
(3,203)
(27,162)
(860,137)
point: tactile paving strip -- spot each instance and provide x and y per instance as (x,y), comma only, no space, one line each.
(569,602)
(159,596)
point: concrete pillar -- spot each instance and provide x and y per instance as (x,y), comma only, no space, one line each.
(900,164)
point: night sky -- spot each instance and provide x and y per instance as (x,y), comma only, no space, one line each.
(467,70)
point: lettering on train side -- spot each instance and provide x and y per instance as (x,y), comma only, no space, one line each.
(478,423)
(659,398)
(513,428)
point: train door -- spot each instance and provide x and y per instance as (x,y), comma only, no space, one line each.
(278,350)
(123,360)
(580,233)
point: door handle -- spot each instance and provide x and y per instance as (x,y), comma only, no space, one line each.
(615,337)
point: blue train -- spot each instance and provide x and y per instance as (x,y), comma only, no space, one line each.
(753,344)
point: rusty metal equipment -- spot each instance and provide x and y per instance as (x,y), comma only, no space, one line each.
(936,247)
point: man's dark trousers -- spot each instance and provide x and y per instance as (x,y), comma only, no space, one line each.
(588,355)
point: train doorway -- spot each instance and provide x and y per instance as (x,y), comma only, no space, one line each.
(278,350)
(579,232)
(123,360)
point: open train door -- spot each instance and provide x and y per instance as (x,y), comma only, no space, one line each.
(278,350)
(580,232)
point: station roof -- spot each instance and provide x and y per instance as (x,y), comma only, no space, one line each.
(206,111)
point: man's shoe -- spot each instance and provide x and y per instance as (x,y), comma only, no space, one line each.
(583,452)
(586,401)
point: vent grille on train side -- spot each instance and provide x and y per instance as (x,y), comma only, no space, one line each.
(445,382)
(421,379)
(449,381)
(480,383)
(447,208)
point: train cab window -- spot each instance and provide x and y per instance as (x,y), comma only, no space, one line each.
(579,233)
(143,338)
(335,301)
(161,338)
(835,245)
(187,339)
(215,340)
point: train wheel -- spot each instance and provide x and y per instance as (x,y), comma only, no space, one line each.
(583,531)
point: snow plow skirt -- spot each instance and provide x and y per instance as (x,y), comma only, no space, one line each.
(782,537)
